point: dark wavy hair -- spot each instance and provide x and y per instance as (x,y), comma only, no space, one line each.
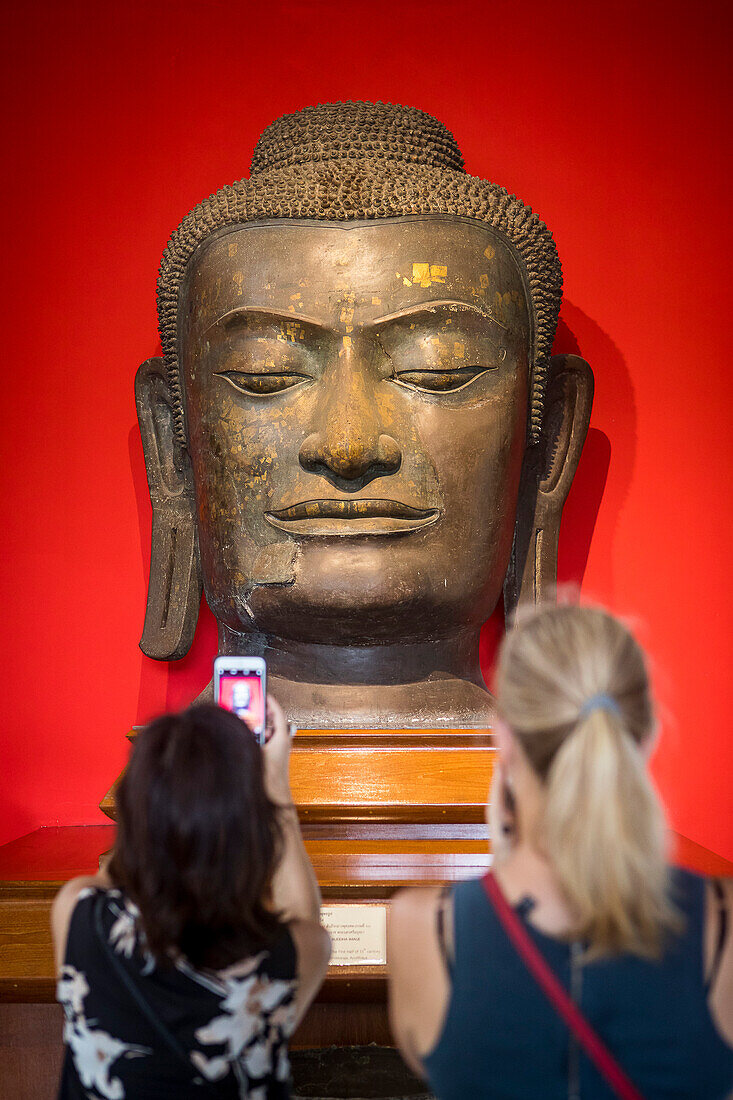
(198,838)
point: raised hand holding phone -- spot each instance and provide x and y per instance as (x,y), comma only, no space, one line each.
(276,754)
(295,890)
(240,685)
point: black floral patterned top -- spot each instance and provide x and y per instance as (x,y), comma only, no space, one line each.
(224,1033)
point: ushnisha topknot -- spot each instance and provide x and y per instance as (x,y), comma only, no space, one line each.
(334,131)
(358,161)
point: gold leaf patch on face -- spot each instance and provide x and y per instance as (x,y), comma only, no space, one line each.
(425,275)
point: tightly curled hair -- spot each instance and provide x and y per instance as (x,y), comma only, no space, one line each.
(198,838)
(362,161)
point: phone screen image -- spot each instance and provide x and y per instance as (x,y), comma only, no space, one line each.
(241,692)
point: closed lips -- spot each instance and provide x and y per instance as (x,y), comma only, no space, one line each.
(350,518)
(351,509)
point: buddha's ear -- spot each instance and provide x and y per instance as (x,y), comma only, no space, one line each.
(174,586)
(547,474)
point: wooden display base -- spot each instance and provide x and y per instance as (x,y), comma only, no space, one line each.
(380,809)
(375,775)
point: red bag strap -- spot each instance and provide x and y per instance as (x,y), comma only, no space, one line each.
(591,1043)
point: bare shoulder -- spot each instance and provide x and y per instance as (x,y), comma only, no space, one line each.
(416,903)
(62,909)
(412,913)
(719,953)
(718,917)
(721,888)
(312,943)
(67,896)
(414,949)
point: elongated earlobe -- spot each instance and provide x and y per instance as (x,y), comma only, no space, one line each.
(174,586)
(547,474)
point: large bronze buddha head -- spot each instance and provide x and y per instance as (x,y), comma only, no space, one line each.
(356,436)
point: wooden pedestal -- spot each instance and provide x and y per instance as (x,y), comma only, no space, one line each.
(379,809)
(382,809)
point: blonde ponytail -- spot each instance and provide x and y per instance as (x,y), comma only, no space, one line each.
(573,686)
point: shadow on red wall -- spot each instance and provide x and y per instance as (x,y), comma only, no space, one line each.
(577,334)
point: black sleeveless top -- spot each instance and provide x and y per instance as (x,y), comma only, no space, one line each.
(225,1032)
(502,1039)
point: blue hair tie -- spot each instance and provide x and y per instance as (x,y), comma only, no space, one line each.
(600,701)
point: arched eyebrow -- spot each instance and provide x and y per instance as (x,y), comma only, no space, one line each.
(429,309)
(240,314)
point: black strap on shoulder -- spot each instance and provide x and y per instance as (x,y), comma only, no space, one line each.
(722,933)
(447,955)
(147,1009)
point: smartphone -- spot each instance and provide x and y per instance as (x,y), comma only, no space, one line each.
(240,686)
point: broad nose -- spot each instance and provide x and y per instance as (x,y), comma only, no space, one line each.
(348,446)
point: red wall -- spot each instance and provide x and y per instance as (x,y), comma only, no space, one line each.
(608,118)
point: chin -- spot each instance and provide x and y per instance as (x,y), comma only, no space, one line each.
(376,615)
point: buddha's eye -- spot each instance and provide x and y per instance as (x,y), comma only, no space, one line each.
(439,381)
(261,385)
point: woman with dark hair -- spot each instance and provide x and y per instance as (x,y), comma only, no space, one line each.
(581,965)
(185,966)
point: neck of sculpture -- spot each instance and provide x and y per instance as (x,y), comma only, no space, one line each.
(423,684)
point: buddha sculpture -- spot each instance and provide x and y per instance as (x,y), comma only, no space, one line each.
(356,437)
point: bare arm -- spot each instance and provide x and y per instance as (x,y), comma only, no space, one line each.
(720,997)
(419,987)
(63,907)
(295,891)
(313,945)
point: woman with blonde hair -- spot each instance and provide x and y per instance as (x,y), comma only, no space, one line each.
(581,965)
